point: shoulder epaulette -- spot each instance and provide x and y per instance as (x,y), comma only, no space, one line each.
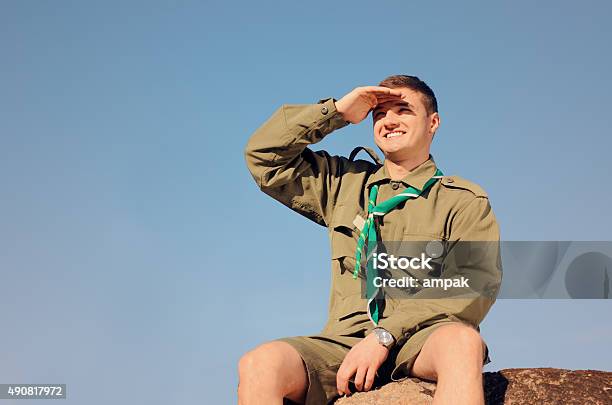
(461,183)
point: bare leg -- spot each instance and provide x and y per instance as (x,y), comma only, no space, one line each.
(453,356)
(271,372)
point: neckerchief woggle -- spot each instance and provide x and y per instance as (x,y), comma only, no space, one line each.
(369,233)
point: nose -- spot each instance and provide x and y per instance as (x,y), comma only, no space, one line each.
(390,119)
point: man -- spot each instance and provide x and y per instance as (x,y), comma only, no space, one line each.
(435,339)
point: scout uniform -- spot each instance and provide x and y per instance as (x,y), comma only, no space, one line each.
(333,191)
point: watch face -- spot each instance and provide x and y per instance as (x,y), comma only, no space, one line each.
(384,337)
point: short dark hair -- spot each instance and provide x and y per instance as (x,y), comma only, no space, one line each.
(415,84)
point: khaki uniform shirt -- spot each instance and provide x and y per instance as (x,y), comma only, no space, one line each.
(333,190)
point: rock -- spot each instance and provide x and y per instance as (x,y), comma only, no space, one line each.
(513,386)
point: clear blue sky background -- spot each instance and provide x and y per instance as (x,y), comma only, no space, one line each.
(136,251)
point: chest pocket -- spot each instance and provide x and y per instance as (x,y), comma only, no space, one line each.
(344,235)
(430,253)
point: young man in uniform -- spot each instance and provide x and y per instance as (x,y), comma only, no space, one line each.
(433,339)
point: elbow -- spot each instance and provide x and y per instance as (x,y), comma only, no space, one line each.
(250,158)
(255,162)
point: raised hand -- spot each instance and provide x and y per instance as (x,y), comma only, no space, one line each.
(356,105)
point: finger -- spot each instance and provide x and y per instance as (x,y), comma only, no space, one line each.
(359,377)
(372,100)
(392,93)
(383,90)
(369,379)
(382,100)
(382,97)
(388,96)
(342,378)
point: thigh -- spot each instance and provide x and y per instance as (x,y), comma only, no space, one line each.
(322,357)
(412,349)
(446,346)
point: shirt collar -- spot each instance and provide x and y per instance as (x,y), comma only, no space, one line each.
(416,178)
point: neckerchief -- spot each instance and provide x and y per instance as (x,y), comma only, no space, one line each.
(369,231)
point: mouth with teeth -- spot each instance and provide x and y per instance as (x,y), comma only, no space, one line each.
(393,134)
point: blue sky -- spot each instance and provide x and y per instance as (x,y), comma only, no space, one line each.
(136,251)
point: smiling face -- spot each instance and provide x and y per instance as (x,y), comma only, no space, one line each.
(403,129)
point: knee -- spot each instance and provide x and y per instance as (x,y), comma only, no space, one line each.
(460,338)
(263,360)
(273,368)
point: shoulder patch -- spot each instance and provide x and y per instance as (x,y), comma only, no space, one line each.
(461,183)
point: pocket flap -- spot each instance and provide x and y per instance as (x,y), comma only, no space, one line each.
(344,232)
(347,217)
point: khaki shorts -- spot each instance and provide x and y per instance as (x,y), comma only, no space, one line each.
(323,356)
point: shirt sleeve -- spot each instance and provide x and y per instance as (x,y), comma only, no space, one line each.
(282,165)
(475,224)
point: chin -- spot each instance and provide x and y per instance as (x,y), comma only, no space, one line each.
(402,150)
(394,155)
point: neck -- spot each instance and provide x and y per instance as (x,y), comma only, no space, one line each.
(398,169)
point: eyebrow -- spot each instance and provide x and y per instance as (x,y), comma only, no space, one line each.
(400,103)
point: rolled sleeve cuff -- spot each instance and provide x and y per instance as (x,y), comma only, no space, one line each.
(395,330)
(328,111)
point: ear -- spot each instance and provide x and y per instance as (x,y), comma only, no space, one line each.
(434,122)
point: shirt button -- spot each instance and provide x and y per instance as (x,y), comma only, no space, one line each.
(449,180)
(394,186)
(324,110)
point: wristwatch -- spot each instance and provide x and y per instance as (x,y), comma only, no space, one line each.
(384,337)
